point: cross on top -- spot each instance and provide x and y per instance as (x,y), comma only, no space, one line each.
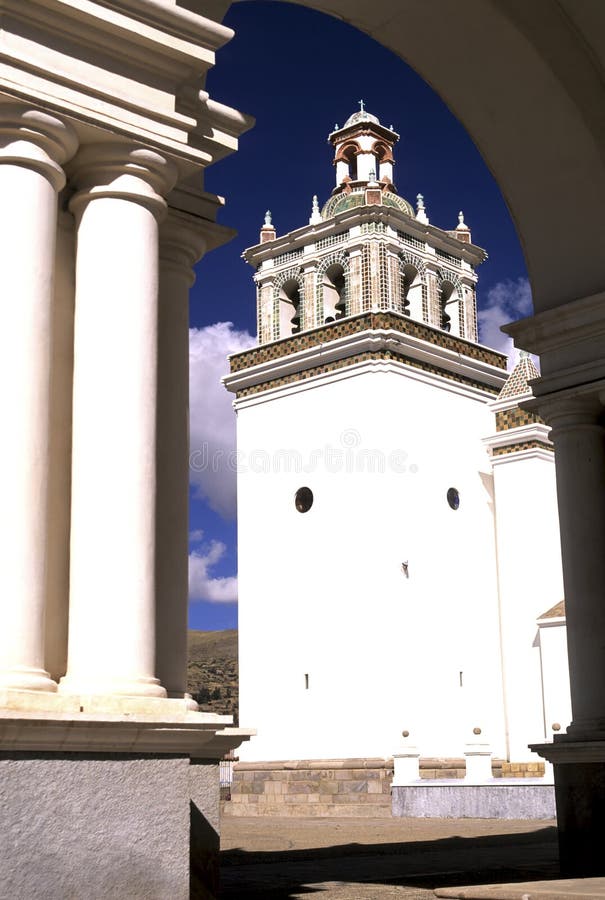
(361,108)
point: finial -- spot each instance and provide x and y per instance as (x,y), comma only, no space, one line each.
(336,126)
(524,354)
(421,215)
(361,106)
(315,213)
(268,218)
(463,232)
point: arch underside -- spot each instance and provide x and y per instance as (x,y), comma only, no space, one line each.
(533,101)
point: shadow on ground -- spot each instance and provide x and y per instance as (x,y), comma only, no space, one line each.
(412,869)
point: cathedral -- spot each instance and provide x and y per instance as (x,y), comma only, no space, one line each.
(388,583)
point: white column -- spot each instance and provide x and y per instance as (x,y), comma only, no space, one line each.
(579,438)
(33,145)
(112,573)
(181,245)
(57,576)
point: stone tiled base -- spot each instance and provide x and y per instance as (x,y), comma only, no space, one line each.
(522,770)
(335,787)
(339,787)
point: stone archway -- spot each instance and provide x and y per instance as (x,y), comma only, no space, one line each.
(531,97)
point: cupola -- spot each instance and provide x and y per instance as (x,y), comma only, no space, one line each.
(363,152)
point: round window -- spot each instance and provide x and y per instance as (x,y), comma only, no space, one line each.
(303,499)
(453,498)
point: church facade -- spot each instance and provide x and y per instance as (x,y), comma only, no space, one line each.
(387,582)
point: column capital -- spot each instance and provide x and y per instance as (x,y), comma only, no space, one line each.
(182,243)
(571,412)
(121,171)
(37,140)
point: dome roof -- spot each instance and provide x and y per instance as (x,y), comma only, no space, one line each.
(341,202)
(362,115)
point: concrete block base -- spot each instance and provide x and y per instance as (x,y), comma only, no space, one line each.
(503,799)
(108,825)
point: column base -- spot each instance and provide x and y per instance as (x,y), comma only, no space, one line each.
(22,678)
(579,772)
(135,687)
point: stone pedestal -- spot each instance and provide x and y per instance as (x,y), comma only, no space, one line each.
(478,763)
(106,806)
(406,766)
(579,770)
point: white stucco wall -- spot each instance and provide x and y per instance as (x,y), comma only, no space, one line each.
(555,675)
(323,593)
(530,581)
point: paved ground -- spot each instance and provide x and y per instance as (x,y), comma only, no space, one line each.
(378,859)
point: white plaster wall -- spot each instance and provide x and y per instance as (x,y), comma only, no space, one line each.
(322,593)
(530,579)
(555,676)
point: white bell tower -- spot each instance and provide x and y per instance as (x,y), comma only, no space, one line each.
(368,588)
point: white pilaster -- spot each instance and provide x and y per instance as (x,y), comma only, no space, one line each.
(33,146)
(181,245)
(112,575)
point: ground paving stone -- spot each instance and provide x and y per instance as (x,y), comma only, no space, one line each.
(378,859)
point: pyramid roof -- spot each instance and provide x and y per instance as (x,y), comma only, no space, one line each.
(517,383)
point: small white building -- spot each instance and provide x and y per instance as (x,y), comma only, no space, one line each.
(387,485)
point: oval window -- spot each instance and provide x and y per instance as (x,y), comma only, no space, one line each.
(453,498)
(303,501)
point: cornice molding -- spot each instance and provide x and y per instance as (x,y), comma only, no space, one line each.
(356,368)
(65,734)
(363,342)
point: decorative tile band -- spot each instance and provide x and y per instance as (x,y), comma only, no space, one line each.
(524,445)
(294,377)
(513,418)
(367,321)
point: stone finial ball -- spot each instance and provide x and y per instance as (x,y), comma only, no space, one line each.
(476,731)
(405,733)
(556,726)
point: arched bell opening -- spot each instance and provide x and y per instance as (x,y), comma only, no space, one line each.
(449,299)
(411,291)
(290,308)
(334,293)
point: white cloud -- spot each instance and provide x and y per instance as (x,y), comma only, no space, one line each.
(196,536)
(506,301)
(201,584)
(212,424)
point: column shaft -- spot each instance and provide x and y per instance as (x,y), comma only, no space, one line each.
(32,144)
(112,577)
(57,602)
(579,442)
(180,246)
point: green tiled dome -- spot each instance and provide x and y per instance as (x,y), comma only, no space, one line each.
(342,202)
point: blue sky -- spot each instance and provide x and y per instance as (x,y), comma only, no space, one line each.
(299,73)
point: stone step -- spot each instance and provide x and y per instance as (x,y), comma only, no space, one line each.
(327,810)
